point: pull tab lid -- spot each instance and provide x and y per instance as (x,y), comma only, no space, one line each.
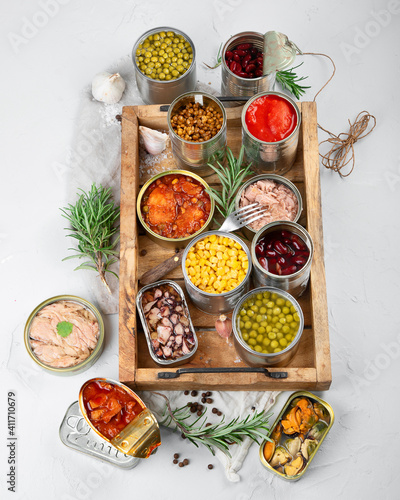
(279,52)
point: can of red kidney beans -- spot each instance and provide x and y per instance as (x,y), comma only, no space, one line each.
(234,85)
(273,157)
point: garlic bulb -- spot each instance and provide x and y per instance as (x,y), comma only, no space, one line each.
(154,141)
(223,325)
(107,87)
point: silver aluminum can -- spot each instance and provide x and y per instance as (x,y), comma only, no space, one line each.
(296,283)
(216,303)
(261,359)
(164,92)
(247,230)
(274,157)
(166,362)
(194,156)
(234,85)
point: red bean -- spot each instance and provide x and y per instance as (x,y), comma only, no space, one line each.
(282,261)
(244,46)
(250,75)
(299,261)
(260,249)
(253,51)
(286,234)
(270,253)
(241,53)
(246,60)
(259,61)
(289,270)
(258,73)
(242,74)
(234,51)
(234,66)
(228,55)
(263,261)
(280,248)
(250,68)
(237,58)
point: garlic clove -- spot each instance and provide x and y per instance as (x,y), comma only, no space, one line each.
(154,141)
(223,325)
(108,87)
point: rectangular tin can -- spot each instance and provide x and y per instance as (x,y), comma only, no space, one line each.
(329,416)
(76,434)
(164,362)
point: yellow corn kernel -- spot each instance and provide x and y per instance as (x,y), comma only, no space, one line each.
(237,245)
(220,272)
(174,181)
(202,262)
(213,252)
(214,259)
(213,237)
(232,252)
(207,254)
(220,255)
(191,271)
(211,279)
(192,249)
(197,269)
(191,255)
(226,269)
(200,245)
(197,282)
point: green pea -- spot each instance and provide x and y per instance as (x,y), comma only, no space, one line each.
(258,348)
(253,334)
(272,335)
(245,337)
(263,310)
(259,338)
(283,342)
(277,349)
(261,329)
(285,310)
(247,325)
(280,302)
(276,311)
(266,342)
(242,312)
(252,342)
(274,344)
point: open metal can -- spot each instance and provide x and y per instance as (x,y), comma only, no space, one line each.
(286,448)
(166,362)
(140,437)
(295,283)
(195,156)
(275,157)
(235,85)
(165,91)
(278,179)
(162,240)
(216,303)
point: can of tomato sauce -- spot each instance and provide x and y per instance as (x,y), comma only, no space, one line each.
(270,132)
(119,416)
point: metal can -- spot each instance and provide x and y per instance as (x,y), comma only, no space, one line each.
(216,303)
(195,156)
(164,92)
(141,437)
(172,242)
(164,362)
(94,355)
(247,230)
(275,157)
(295,283)
(325,423)
(260,359)
(77,435)
(234,85)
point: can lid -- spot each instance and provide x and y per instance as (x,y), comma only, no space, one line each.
(279,52)
(76,434)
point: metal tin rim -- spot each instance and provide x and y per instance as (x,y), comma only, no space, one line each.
(72,298)
(239,35)
(279,94)
(138,305)
(204,94)
(111,381)
(218,233)
(278,178)
(162,174)
(238,336)
(155,30)
(261,231)
(285,407)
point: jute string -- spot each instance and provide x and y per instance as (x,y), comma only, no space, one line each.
(343,143)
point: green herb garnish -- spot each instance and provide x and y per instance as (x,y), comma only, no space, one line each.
(219,435)
(92,221)
(288,80)
(64,328)
(231,177)
(219,59)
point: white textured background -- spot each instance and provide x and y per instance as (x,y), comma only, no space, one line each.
(42,76)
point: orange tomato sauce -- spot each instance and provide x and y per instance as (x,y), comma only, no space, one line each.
(175,206)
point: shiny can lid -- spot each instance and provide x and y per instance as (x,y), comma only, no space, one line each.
(279,52)
(76,434)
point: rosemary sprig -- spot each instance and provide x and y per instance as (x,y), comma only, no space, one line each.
(231,177)
(219,59)
(220,435)
(288,80)
(92,221)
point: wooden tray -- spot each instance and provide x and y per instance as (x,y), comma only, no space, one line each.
(310,368)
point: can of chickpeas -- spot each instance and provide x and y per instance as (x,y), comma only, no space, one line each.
(212,266)
(197,128)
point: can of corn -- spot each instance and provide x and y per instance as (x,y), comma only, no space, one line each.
(220,301)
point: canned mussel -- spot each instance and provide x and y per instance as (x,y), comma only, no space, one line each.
(296,435)
(167,325)
(119,416)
